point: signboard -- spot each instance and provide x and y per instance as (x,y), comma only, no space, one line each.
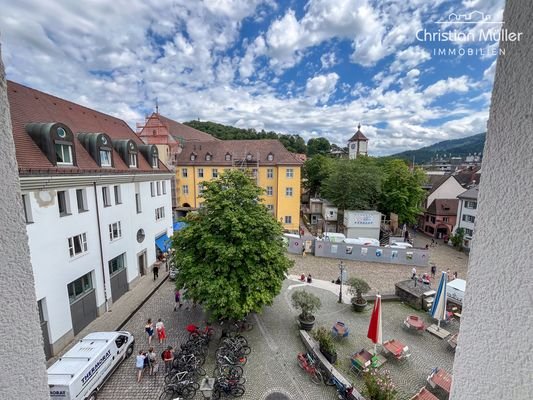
(363,219)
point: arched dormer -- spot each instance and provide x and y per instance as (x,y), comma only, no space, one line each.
(208,156)
(227,157)
(150,154)
(128,151)
(270,156)
(193,156)
(99,146)
(55,140)
(249,157)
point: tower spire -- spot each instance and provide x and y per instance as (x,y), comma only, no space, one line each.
(359,126)
(156,106)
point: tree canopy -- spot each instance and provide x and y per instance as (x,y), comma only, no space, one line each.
(315,170)
(293,143)
(353,184)
(402,191)
(318,146)
(231,256)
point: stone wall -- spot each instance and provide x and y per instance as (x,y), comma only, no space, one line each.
(23,373)
(493,359)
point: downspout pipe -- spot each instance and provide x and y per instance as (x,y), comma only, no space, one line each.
(101,246)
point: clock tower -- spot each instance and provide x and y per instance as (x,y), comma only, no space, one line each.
(357,145)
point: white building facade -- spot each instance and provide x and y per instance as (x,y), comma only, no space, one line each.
(96,200)
(467,214)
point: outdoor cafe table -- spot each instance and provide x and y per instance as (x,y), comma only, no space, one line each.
(364,359)
(442,379)
(413,321)
(396,348)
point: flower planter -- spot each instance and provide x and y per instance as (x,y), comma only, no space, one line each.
(306,325)
(332,358)
(359,307)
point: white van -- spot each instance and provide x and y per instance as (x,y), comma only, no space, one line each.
(400,245)
(83,370)
(362,241)
(455,291)
(334,237)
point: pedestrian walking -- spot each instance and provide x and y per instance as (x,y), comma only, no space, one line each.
(160,329)
(413,273)
(177,300)
(168,358)
(448,274)
(455,275)
(309,279)
(139,365)
(152,361)
(155,270)
(433,270)
(303,250)
(149,329)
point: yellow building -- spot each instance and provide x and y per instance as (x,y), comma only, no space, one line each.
(275,169)
(196,157)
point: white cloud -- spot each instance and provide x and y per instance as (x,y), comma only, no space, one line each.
(409,58)
(321,87)
(328,60)
(449,85)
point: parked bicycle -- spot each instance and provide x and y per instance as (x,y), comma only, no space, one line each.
(308,364)
(343,391)
(228,387)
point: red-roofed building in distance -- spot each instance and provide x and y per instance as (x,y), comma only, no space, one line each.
(97,208)
(197,157)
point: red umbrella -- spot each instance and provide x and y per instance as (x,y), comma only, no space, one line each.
(374,329)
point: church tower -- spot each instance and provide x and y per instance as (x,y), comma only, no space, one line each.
(357,145)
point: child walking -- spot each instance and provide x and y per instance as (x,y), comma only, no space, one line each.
(139,365)
(160,329)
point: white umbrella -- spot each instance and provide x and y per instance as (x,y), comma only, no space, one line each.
(438,310)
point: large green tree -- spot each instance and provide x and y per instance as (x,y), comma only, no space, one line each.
(353,184)
(318,146)
(231,256)
(315,171)
(402,191)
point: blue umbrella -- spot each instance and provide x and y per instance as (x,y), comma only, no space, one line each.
(438,310)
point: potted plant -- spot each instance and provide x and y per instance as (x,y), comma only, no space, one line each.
(327,346)
(307,303)
(378,386)
(358,287)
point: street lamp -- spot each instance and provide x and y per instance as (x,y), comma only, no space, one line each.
(341,268)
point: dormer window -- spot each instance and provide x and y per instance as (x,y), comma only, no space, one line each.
(248,157)
(193,156)
(99,146)
(270,157)
(228,157)
(105,158)
(150,154)
(63,154)
(155,161)
(208,157)
(127,149)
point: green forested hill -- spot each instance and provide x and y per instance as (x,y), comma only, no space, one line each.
(457,148)
(292,143)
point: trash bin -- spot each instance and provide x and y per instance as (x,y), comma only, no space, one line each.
(206,387)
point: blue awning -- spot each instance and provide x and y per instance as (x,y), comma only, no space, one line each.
(163,243)
(179,226)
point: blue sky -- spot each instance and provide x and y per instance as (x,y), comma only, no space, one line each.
(314,68)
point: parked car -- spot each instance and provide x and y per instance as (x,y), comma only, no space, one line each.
(334,237)
(362,241)
(173,272)
(400,245)
(84,369)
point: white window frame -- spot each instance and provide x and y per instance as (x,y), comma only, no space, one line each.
(200,189)
(66,199)
(106,196)
(159,213)
(83,206)
(28,216)
(138,203)
(184,173)
(158,188)
(164,187)
(200,172)
(214,173)
(270,191)
(118,194)
(270,173)
(152,189)
(288,191)
(288,219)
(185,189)
(107,160)
(62,146)
(133,160)
(82,238)
(289,173)
(270,207)
(155,162)
(115,231)
(89,287)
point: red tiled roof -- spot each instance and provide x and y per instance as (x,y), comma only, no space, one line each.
(29,105)
(443,207)
(358,135)
(185,132)
(238,149)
